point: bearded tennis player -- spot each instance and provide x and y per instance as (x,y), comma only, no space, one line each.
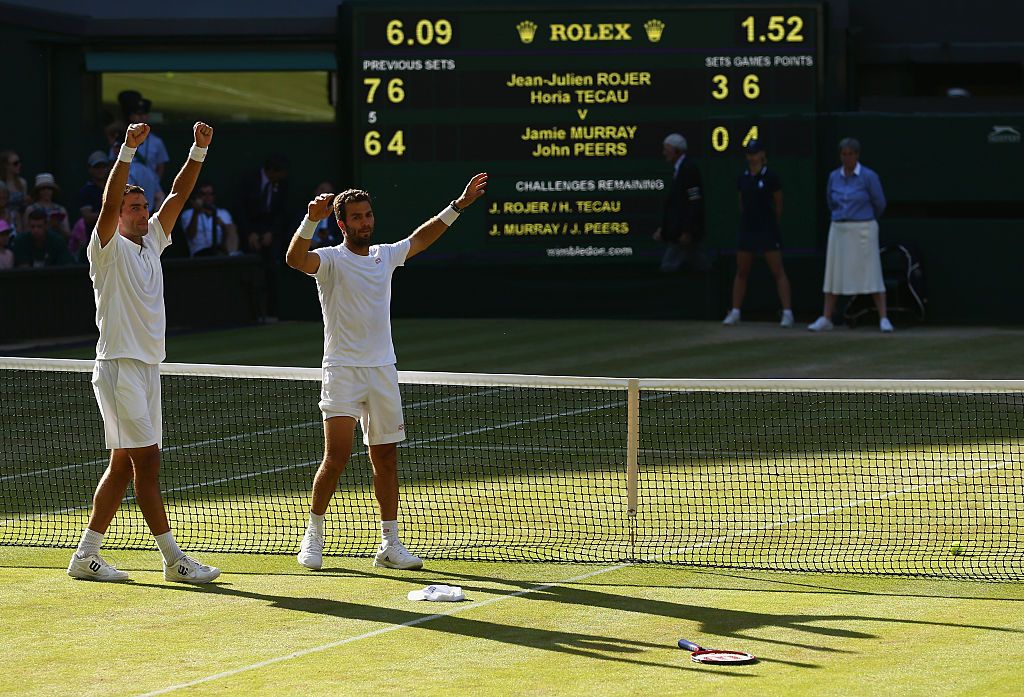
(124,265)
(360,380)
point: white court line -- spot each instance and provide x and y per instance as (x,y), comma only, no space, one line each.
(535,589)
(384,630)
(226,439)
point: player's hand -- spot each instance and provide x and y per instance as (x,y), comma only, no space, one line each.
(320,207)
(135,134)
(657,235)
(203,134)
(476,188)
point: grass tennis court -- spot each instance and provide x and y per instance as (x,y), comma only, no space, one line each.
(531,628)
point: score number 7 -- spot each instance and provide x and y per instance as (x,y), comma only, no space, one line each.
(395,92)
(395,89)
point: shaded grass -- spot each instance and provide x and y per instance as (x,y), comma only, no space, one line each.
(612,633)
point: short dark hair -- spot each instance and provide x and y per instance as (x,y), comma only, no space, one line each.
(133,189)
(348,196)
(276,161)
(202,185)
(37,214)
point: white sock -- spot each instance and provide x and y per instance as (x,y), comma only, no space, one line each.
(90,543)
(389,530)
(169,549)
(787,312)
(316,523)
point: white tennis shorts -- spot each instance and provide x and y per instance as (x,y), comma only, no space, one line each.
(368,394)
(128,392)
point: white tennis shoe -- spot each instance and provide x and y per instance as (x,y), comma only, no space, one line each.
(94,568)
(732,318)
(394,555)
(188,570)
(885,325)
(787,319)
(822,324)
(311,551)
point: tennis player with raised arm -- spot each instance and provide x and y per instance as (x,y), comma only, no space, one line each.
(360,380)
(124,265)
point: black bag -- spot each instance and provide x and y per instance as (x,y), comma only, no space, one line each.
(905,290)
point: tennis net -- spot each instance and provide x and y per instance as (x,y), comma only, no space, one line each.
(922,478)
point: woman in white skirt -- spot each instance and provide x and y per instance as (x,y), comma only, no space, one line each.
(852,263)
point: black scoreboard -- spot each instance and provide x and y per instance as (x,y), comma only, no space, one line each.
(567,108)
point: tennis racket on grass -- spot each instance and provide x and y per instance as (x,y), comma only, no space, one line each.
(699,654)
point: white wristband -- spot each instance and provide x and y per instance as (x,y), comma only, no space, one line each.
(197,153)
(448,216)
(307,228)
(126,153)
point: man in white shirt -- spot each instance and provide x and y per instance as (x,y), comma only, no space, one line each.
(209,229)
(360,378)
(124,265)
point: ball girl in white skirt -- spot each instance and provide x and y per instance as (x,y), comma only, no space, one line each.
(852,263)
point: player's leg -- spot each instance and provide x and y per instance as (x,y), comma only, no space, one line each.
(383,429)
(338,434)
(142,426)
(384,459)
(86,562)
(744,260)
(774,260)
(116,386)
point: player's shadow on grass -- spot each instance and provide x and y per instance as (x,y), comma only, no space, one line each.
(712,620)
(576,643)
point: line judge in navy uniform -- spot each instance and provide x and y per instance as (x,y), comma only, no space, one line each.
(760,198)
(682,225)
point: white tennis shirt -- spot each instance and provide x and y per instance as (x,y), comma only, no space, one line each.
(128,282)
(355,295)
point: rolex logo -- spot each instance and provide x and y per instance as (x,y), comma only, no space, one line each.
(654,28)
(527,30)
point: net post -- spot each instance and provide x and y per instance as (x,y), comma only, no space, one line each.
(632,456)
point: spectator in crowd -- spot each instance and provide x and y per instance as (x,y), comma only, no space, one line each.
(39,246)
(6,214)
(43,193)
(263,220)
(682,226)
(760,197)
(6,255)
(17,188)
(210,230)
(326,233)
(152,153)
(90,198)
(853,265)
(138,174)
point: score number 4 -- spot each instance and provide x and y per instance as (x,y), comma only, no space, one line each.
(372,143)
(720,138)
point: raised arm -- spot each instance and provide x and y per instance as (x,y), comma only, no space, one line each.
(428,233)
(113,192)
(298,255)
(186,179)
